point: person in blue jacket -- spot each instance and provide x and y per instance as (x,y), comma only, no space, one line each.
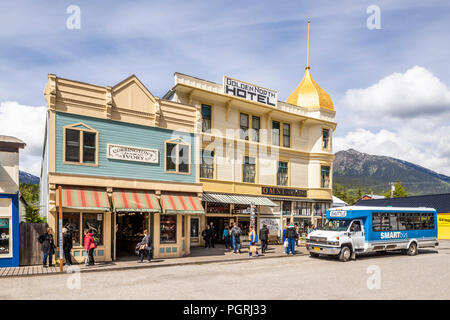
(286,248)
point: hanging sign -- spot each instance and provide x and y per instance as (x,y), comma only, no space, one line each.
(249,91)
(118,152)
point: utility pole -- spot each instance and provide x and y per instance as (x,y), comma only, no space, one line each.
(392,185)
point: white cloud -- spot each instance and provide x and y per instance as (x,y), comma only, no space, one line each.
(405,115)
(28,124)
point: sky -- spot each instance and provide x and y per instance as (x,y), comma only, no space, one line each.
(389,85)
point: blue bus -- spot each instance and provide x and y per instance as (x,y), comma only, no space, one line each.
(354,230)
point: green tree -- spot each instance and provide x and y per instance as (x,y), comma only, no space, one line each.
(399,191)
(30,192)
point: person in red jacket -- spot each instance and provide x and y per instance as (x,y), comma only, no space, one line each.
(89,245)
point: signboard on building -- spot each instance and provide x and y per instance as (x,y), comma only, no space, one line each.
(118,152)
(249,91)
(283,192)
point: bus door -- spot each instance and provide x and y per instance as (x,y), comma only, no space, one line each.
(357,234)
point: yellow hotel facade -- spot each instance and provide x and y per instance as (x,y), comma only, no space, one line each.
(257,151)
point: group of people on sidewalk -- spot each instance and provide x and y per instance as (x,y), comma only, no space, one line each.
(48,246)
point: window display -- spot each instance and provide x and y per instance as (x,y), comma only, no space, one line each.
(4,236)
(168,232)
(71,221)
(94,222)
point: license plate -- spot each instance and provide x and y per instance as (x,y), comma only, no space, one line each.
(316,249)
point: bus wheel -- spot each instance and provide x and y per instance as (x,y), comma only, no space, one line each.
(345,254)
(313,255)
(412,250)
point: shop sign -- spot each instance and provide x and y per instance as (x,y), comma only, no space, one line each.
(283,192)
(118,152)
(272,224)
(249,91)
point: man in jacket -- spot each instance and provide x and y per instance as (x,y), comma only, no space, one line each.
(264,236)
(48,247)
(212,233)
(67,246)
(291,237)
(236,237)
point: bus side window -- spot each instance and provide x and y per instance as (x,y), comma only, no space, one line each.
(402,221)
(393,221)
(376,221)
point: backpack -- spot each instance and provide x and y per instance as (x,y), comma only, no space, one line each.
(96,241)
(291,233)
(41,239)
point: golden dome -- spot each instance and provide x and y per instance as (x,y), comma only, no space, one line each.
(308,94)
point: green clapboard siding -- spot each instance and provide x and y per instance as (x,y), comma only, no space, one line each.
(126,134)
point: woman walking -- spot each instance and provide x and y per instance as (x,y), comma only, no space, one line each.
(145,248)
(48,247)
(89,246)
(253,238)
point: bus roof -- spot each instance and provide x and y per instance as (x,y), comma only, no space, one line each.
(387,208)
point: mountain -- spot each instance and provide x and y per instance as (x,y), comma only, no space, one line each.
(353,169)
(28,178)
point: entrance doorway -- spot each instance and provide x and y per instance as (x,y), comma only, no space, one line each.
(219,224)
(130,231)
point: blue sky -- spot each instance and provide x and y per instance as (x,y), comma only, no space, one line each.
(263,42)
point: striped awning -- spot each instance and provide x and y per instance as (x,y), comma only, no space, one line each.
(238,199)
(135,200)
(84,198)
(172,203)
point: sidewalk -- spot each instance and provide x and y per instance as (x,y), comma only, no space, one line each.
(199,255)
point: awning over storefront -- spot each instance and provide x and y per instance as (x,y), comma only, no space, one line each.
(181,204)
(84,199)
(135,200)
(237,199)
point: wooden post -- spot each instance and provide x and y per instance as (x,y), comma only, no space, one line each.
(60,230)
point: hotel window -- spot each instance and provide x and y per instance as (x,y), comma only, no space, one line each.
(168,229)
(249,170)
(207,165)
(177,157)
(282,175)
(256,125)
(275,133)
(244,126)
(286,135)
(80,145)
(325,138)
(206,118)
(325,176)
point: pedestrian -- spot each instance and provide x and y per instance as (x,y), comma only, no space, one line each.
(226,235)
(213,233)
(48,247)
(285,241)
(89,246)
(236,232)
(145,248)
(253,238)
(67,246)
(206,234)
(264,236)
(291,237)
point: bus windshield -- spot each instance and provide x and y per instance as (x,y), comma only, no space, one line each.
(336,225)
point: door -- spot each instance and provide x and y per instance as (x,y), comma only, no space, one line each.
(357,234)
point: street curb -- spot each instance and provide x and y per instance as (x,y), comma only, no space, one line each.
(148,266)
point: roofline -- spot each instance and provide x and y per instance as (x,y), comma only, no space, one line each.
(388,208)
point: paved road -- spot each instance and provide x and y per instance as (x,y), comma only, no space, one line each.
(424,276)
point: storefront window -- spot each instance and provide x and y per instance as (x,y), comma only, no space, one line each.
(168,229)
(194,227)
(94,222)
(71,221)
(287,208)
(183,221)
(4,236)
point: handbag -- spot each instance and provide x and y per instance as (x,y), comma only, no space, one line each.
(253,249)
(142,247)
(286,243)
